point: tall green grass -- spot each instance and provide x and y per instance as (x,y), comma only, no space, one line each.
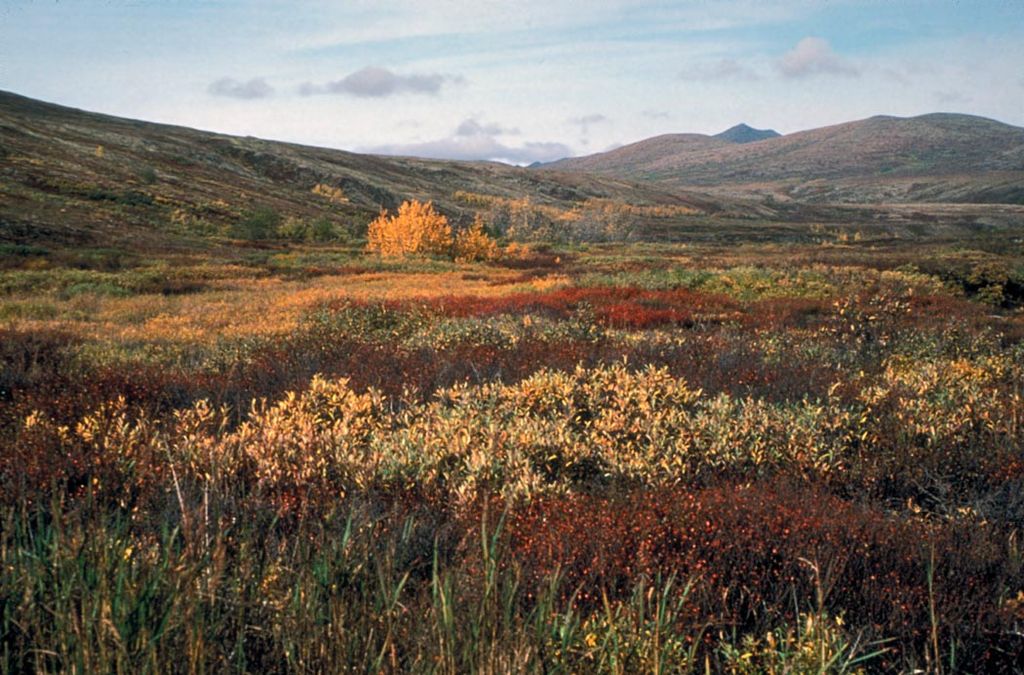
(83,592)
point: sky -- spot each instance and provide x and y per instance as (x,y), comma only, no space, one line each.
(533,80)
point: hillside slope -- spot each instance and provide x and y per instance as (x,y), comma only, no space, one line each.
(937,157)
(72,176)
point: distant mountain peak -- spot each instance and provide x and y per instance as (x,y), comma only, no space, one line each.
(742,133)
(938,157)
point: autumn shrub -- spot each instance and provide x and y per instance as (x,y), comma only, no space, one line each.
(331,193)
(610,458)
(589,220)
(524,220)
(615,307)
(292,228)
(830,486)
(601,220)
(572,428)
(109,455)
(17,255)
(324,229)
(416,229)
(932,430)
(312,446)
(766,552)
(474,244)
(186,221)
(30,357)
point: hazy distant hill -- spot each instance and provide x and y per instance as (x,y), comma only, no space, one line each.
(71,175)
(936,157)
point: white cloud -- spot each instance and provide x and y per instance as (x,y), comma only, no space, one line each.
(588,119)
(532,65)
(471,127)
(814,56)
(369,21)
(249,89)
(377,82)
(584,122)
(472,140)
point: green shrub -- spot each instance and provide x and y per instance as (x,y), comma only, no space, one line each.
(148,175)
(261,222)
(103,288)
(322,229)
(31,310)
(293,229)
(22,250)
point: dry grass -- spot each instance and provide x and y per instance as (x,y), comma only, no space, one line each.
(246,306)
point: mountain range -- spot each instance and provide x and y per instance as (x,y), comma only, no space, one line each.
(75,178)
(940,157)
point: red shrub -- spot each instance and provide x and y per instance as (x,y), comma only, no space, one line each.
(755,549)
(625,307)
(786,313)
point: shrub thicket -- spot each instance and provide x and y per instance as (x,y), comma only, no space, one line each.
(416,228)
(473,244)
(259,223)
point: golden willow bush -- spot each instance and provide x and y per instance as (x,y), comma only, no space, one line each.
(474,244)
(591,220)
(552,431)
(335,195)
(416,229)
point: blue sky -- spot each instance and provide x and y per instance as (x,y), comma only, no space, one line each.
(514,81)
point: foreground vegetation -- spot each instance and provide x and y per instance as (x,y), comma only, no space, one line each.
(615,458)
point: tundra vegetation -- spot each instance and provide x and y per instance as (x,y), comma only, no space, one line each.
(519,441)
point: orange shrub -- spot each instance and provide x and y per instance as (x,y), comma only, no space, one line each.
(416,228)
(475,244)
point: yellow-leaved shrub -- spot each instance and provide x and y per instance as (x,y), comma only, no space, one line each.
(416,228)
(335,195)
(474,244)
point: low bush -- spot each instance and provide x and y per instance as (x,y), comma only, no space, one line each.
(259,223)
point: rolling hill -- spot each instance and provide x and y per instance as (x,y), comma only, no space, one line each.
(72,179)
(75,177)
(939,157)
